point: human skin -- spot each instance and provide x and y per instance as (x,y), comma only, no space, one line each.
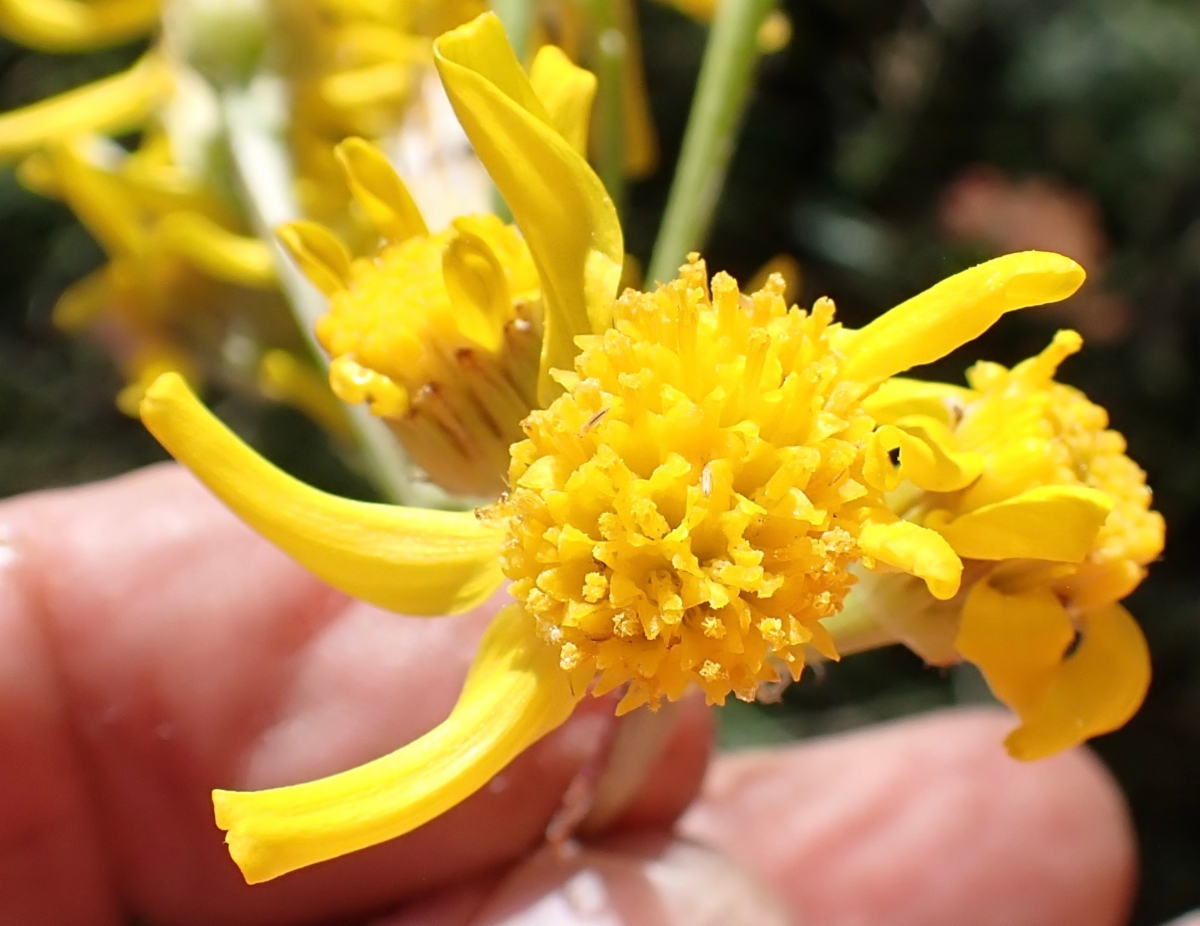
(153,648)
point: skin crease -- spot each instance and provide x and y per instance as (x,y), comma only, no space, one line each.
(152,648)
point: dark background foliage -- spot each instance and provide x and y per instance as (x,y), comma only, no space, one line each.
(892,143)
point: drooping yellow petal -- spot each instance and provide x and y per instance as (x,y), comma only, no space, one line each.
(515,694)
(223,255)
(1017,641)
(404,559)
(115,104)
(567,92)
(63,26)
(319,253)
(927,457)
(917,551)
(1096,689)
(558,202)
(1051,522)
(955,311)
(377,187)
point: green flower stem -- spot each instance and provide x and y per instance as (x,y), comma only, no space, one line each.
(722,92)
(517,16)
(264,171)
(610,52)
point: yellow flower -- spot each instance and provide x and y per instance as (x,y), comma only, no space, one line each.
(185,288)
(684,510)
(1023,478)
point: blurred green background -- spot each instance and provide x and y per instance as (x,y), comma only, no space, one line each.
(891,144)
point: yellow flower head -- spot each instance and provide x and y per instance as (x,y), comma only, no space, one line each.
(684,508)
(1024,479)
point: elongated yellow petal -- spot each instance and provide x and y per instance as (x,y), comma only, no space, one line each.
(557,200)
(83,301)
(115,104)
(957,310)
(567,92)
(404,559)
(515,694)
(223,255)
(319,253)
(1016,640)
(917,551)
(101,201)
(1052,522)
(927,457)
(61,26)
(377,187)
(1097,688)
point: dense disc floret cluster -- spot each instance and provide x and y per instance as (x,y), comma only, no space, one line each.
(687,511)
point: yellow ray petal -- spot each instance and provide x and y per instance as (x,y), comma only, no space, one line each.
(319,253)
(223,255)
(1016,640)
(83,301)
(379,190)
(899,398)
(917,551)
(957,310)
(101,201)
(1096,689)
(115,104)
(404,559)
(557,200)
(62,26)
(567,92)
(1052,522)
(927,457)
(515,694)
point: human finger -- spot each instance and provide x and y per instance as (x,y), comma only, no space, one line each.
(925,823)
(192,655)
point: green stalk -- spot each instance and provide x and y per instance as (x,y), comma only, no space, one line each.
(610,49)
(517,17)
(264,171)
(721,95)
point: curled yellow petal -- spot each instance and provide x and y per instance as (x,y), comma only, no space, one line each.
(114,104)
(404,559)
(101,201)
(377,187)
(567,92)
(957,310)
(1066,680)
(1057,523)
(902,398)
(926,457)
(222,254)
(319,253)
(1097,688)
(558,202)
(62,26)
(917,551)
(1017,641)
(515,694)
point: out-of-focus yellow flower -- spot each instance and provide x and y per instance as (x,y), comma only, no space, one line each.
(1023,478)
(185,288)
(684,510)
